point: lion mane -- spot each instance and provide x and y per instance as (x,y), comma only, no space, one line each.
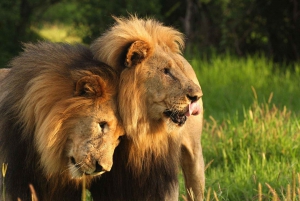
(57,105)
(112,51)
(159,98)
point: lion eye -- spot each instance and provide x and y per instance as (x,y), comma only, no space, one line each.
(104,126)
(167,71)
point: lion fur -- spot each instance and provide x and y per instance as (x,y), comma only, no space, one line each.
(146,163)
(37,98)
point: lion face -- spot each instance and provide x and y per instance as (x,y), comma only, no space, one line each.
(171,94)
(162,84)
(157,85)
(158,88)
(80,134)
(94,135)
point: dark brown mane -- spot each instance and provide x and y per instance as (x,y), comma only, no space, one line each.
(124,183)
(41,76)
(147,161)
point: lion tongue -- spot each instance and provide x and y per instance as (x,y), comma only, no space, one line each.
(194,109)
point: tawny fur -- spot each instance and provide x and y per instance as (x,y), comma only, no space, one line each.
(154,77)
(3,73)
(50,98)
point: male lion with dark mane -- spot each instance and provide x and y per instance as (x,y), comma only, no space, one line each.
(161,109)
(59,121)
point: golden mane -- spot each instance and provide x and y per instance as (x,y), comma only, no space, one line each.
(158,100)
(39,83)
(110,47)
(42,81)
(50,89)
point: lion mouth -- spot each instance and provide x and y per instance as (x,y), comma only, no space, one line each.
(98,171)
(179,117)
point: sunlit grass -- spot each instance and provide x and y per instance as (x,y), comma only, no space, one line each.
(58,33)
(3,171)
(226,81)
(252,128)
(253,159)
(262,149)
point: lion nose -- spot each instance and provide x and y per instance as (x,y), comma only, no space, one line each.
(193,98)
(194,95)
(194,92)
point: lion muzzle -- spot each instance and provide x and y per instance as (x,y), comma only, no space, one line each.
(95,168)
(99,170)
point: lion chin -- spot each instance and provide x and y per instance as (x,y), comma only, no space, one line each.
(177,117)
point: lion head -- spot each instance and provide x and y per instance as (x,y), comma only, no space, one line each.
(79,133)
(158,88)
(59,119)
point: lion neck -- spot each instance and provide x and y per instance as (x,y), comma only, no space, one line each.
(155,147)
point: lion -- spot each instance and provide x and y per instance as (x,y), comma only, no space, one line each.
(160,104)
(59,121)
(3,73)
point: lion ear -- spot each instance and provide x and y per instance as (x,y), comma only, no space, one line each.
(90,86)
(137,52)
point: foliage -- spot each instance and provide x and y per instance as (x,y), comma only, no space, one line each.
(97,15)
(58,33)
(248,26)
(16,18)
(242,26)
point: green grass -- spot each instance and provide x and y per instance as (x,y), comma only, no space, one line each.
(57,33)
(227,81)
(264,148)
(252,128)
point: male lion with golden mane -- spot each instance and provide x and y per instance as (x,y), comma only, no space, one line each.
(161,109)
(59,121)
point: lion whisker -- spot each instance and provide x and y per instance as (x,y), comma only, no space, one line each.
(74,170)
(71,167)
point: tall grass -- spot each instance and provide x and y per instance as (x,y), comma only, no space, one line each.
(227,80)
(3,171)
(252,129)
(262,149)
